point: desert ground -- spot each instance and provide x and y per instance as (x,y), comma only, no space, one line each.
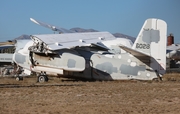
(62,96)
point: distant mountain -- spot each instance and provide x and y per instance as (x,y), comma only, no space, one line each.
(117,35)
(83,30)
(22,37)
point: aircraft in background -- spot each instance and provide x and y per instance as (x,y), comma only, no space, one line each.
(173,52)
(84,56)
(173,56)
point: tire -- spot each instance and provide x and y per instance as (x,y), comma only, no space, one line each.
(19,78)
(46,78)
(42,78)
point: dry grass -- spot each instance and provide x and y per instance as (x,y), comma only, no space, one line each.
(172,77)
(65,97)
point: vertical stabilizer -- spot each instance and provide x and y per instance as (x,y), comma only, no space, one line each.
(152,41)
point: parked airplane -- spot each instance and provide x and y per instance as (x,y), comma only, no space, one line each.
(173,52)
(173,56)
(82,55)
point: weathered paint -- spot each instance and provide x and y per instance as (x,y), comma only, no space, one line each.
(143,61)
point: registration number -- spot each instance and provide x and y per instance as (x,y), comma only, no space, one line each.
(142,46)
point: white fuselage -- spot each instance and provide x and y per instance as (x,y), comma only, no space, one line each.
(21,55)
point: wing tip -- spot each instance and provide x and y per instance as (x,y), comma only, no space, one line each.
(34,21)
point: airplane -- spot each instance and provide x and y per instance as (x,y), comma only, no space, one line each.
(84,56)
(173,52)
(173,56)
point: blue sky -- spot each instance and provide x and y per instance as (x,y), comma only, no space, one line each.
(123,16)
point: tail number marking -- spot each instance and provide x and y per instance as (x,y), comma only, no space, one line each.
(142,46)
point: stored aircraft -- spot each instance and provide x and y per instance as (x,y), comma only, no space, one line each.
(173,52)
(84,56)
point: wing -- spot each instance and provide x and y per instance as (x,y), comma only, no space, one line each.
(60,41)
(52,27)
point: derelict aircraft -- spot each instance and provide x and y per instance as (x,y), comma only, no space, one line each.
(173,52)
(83,56)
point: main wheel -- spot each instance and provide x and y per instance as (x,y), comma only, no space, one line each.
(42,78)
(18,78)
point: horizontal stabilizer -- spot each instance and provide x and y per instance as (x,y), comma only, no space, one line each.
(135,53)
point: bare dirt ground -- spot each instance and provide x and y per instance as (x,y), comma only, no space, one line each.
(111,97)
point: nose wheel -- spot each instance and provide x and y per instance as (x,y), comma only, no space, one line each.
(42,78)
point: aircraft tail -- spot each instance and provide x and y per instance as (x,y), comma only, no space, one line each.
(151,41)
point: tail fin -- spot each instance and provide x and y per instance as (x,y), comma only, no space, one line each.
(151,40)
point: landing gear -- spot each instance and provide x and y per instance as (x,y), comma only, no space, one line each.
(159,77)
(42,78)
(19,78)
(17,72)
